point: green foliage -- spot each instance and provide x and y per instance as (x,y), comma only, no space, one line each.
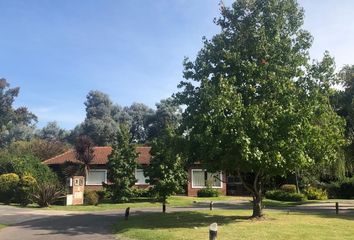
(91,198)
(141,192)
(343,188)
(26,165)
(343,103)
(290,188)
(166,170)
(15,123)
(280,195)
(168,113)
(39,148)
(102,195)
(313,193)
(138,113)
(52,132)
(46,193)
(103,120)
(8,187)
(26,187)
(121,167)
(208,192)
(254,102)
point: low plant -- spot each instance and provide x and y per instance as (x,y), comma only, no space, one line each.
(290,188)
(141,192)
(46,193)
(26,187)
(313,193)
(91,198)
(281,195)
(102,195)
(8,187)
(208,192)
(341,189)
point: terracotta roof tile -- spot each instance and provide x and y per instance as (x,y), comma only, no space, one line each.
(101,156)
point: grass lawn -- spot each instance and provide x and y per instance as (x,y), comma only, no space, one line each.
(235,224)
(2,226)
(174,201)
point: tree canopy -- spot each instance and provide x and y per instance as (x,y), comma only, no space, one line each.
(15,123)
(254,102)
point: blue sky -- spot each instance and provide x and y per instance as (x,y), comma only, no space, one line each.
(57,51)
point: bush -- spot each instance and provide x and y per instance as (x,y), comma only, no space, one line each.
(91,198)
(8,187)
(280,195)
(313,193)
(102,195)
(25,191)
(47,193)
(290,188)
(141,192)
(26,165)
(208,192)
(341,189)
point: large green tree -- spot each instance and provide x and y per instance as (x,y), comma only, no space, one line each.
(121,167)
(166,170)
(255,106)
(15,123)
(343,102)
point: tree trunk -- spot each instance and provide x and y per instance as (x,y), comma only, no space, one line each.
(257,206)
(256,190)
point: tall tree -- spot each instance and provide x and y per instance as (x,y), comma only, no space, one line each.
(99,124)
(52,132)
(166,170)
(121,167)
(138,113)
(167,113)
(343,102)
(15,123)
(254,105)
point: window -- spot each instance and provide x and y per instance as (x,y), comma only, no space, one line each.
(96,177)
(200,179)
(139,175)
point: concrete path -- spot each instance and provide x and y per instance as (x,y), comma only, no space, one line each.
(34,224)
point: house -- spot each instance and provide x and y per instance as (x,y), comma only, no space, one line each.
(98,171)
(198,178)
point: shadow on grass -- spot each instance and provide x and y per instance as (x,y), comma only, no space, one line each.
(192,219)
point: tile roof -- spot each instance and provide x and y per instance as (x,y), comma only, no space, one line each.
(101,156)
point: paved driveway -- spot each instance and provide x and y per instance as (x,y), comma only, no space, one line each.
(55,225)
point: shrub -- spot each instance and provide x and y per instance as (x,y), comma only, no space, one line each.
(313,193)
(208,192)
(290,188)
(102,195)
(341,189)
(26,165)
(46,193)
(141,192)
(8,187)
(25,191)
(91,198)
(280,195)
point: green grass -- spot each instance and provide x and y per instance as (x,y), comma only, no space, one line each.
(179,201)
(174,201)
(235,224)
(2,226)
